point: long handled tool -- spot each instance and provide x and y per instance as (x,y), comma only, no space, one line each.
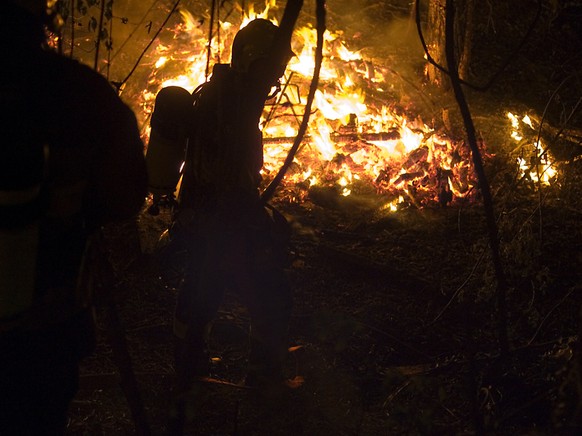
(105,282)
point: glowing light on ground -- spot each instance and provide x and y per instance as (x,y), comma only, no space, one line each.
(536,162)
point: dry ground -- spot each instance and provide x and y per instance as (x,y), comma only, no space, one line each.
(396,327)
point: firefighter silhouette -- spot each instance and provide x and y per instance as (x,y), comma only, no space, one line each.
(234,241)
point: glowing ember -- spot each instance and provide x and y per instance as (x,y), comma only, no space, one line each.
(352,146)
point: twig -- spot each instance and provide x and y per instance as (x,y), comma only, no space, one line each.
(72,28)
(138,26)
(210,36)
(321,14)
(550,312)
(396,392)
(149,44)
(460,287)
(98,43)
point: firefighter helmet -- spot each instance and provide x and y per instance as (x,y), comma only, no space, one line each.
(253,42)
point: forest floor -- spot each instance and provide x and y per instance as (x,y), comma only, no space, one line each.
(394,323)
(395,326)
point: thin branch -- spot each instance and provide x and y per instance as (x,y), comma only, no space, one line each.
(321,15)
(458,290)
(138,26)
(119,85)
(481,176)
(210,36)
(72,28)
(564,298)
(98,43)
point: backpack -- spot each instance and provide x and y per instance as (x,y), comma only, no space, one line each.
(168,143)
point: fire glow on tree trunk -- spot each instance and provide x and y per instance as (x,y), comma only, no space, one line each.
(436,42)
(464,17)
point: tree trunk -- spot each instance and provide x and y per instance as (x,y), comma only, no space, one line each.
(464,31)
(436,42)
(464,19)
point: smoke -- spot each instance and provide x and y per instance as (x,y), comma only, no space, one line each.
(384,32)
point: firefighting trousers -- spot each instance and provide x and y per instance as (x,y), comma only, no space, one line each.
(246,263)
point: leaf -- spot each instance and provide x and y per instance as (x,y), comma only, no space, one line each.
(92,24)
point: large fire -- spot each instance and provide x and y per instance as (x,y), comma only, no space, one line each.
(354,145)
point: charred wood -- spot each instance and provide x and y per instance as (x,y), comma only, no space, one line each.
(351,137)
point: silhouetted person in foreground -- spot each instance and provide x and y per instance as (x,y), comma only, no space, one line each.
(71,160)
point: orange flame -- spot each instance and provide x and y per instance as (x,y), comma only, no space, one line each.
(536,163)
(351,144)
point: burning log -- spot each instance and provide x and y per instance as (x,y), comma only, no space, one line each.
(342,138)
(361,164)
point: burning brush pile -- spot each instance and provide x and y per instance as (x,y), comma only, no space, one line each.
(359,142)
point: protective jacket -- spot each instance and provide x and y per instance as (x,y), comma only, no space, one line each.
(92,167)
